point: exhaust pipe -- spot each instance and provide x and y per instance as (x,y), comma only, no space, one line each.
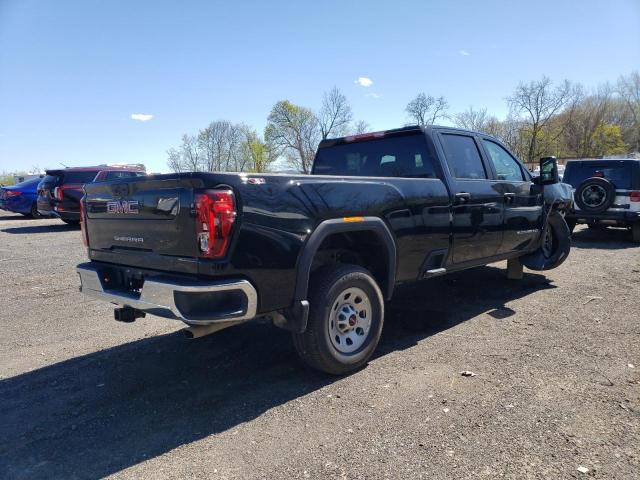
(197,331)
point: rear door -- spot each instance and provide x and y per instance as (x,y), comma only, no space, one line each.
(523,218)
(478,207)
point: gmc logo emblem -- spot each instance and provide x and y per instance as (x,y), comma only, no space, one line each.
(123,206)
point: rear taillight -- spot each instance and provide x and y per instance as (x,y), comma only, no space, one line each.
(58,193)
(12,193)
(215,214)
(83,226)
(635,196)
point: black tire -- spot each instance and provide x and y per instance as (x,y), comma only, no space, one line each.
(73,223)
(595,195)
(315,346)
(34,211)
(555,246)
(635,232)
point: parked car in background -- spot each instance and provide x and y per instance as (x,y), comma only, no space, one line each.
(60,191)
(607,193)
(21,198)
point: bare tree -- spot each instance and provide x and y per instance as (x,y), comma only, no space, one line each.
(472,119)
(629,91)
(425,110)
(538,102)
(174,160)
(335,114)
(190,154)
(293,131)
(361,127)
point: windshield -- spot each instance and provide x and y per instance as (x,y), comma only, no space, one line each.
(82,177)
(27,183)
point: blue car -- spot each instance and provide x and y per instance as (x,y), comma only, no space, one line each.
(21,198)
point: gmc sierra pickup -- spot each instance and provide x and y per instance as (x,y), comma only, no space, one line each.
(321,253)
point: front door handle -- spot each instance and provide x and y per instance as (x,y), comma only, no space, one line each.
(509,197)
(462,197)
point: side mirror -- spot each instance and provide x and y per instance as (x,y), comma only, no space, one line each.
(549,171)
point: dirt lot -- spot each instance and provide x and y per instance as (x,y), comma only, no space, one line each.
(556,357)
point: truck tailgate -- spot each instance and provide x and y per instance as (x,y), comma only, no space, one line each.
(142,216)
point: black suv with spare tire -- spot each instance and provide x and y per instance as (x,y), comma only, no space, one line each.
(607,193)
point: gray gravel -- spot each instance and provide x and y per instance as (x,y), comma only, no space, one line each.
(556,358)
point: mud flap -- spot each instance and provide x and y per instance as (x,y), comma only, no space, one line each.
(561,245)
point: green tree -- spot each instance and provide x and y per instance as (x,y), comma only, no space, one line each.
(293,131)
(607,140)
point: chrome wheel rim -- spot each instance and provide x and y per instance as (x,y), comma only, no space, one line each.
(350,320)
(594,196)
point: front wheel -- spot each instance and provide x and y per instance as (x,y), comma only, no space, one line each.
(555,247)
(346,314)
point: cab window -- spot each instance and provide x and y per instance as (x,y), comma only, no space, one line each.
(463,157)
(507,168)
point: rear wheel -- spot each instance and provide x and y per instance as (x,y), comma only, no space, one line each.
(635,232)
(346,315)
(34,211)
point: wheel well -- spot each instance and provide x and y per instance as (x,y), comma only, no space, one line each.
(364,248)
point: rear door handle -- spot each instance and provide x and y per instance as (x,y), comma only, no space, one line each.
(462,197)
(509,197)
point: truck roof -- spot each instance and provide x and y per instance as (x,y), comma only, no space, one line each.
(136,168)
(394,132)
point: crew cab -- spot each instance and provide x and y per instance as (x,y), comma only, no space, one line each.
(60,191)
(320,254)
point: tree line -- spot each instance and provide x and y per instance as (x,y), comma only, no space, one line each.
(544,118)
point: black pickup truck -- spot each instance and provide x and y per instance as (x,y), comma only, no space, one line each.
(321,253)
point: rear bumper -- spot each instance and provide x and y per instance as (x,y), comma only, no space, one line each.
(627,217)
(195,302)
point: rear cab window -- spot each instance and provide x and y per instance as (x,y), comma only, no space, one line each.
(404,156)
(620,174)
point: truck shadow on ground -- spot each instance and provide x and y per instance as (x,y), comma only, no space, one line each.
(11,216)
(603,239)
(98,414)
(62,227)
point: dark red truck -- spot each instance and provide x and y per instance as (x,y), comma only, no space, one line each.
(60,191)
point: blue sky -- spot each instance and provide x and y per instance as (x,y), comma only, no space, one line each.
(73,72)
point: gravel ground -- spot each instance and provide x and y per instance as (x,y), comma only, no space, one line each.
(556,358)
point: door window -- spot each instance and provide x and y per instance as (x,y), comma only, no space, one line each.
(507,168)
(463,157)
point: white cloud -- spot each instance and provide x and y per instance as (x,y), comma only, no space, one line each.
(141,117)
(464,53)
(372,95)
(363,81)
